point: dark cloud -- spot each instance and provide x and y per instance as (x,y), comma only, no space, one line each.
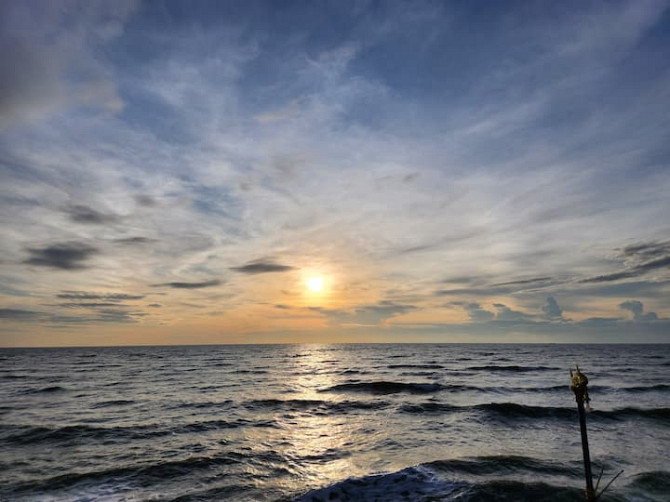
(654,264)
(88,215)
(105,315)
(477,313)
(282,306)
(466,279)
(636,307)
(89,305)
(145,200)
(633,306)
(18,314)
(551,309)
(117,316)
(640,259)
(647,250)
(417,249)
(65,256)
(84,295)
(155,305)
(262,267)
(609,277)
(191,285)
(134,240)
(621,289)
(634,271)
(524,281)
(483,291)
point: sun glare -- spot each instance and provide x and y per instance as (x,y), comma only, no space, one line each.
(315,284)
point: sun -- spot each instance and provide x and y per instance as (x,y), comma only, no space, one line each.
(315,284)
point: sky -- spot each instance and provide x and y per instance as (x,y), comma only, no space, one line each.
(448,171)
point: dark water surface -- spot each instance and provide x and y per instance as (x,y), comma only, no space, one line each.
(330,422)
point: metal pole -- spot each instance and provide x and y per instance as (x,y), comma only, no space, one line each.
(579,387)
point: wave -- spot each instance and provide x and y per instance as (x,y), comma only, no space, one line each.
(422,483)
(165,470)
(412,483)
(202,405)
(25,434)
(47,390)
(514,411)
(657,482)
(444,480)
(647,388)
(383,387)
(13,377)
(503,464)
(108,404)
(316,405)
(83,434)
(511,368)
(416,366)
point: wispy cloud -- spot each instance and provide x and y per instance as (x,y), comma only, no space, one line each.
(530,169)
(45,46)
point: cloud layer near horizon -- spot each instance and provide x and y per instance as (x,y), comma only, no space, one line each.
(454,173)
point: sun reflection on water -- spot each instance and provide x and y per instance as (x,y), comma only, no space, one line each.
(317,442)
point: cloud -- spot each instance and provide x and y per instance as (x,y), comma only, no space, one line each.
(636,308)
(551,309)
(504,313)
(647,250)
(132,241)
(191,285)
(85,214)
(349,151)
(145,200)
(262,267)
(635,271)
(105,315)
(640,259)
(84,295)
(48,57)
(366,315)
(663,262)
(524,281)
(89,305)
(118,316)
(617,276)
(65,256)
(18,314)
(477,313)
(476,291)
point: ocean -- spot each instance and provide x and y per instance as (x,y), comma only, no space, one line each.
(416,422)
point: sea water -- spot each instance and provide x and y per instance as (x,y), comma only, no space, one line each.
(331,422)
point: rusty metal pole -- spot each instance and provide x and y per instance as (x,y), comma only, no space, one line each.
(579,387)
